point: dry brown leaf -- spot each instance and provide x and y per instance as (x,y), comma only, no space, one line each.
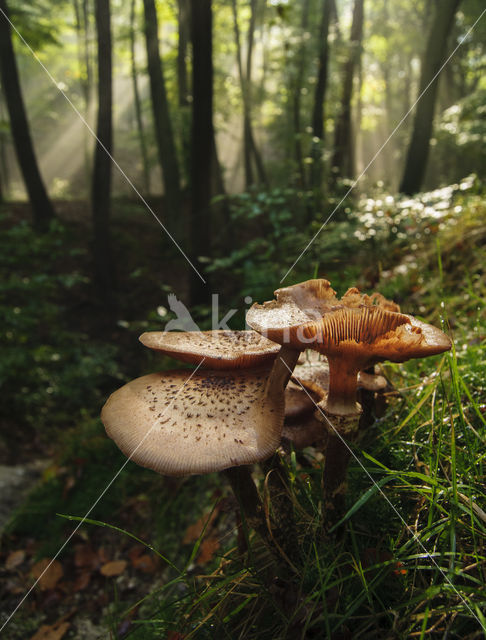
(144,563)
(195,530)
(82,580)
(84,556)
(47,572)
(51,632)
(14,558)
(114,568)
(207,550)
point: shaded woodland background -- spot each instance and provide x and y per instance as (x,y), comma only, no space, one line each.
(236,128)
(197,100)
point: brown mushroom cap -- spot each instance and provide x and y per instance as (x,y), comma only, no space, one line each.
(221,349)
(354,333)
(306,432)
(179,425)
(315,374)
(298,403)
(363,328)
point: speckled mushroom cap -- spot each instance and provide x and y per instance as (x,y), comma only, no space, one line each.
(354,333)
(178,424)
(364,328)
(313,374)
(298,403)
(221,349)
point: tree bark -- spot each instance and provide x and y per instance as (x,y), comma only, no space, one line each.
(184,26)
(434,56)
(138,102)
(163,126)
(202,141)
(42,208)
(318,110)
(251,153)
(342,156)
(101,183)
(296,94)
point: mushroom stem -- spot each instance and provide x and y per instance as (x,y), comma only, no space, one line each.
(282,369)
(284,530)
(343,385)
(248,498)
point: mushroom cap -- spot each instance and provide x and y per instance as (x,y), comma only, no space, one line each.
(364,329)
(305,432)
(314,373)
(180,425)
(298,403)
(221,349)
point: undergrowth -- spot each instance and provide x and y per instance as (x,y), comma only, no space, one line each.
(408,559)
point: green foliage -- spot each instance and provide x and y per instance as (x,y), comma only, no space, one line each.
(460,135)
(264,230)
(48,372)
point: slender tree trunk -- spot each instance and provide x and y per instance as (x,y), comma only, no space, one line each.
(434,56)
(296,94)
(318,110)
(342,156)
(251,152)
(81,13)
(42,208)
(138,102)
(101,184)
(163,126)
(3,155)
(202,145)
(184,22)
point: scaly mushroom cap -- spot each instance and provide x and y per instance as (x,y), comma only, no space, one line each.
(219,349)
(179,425)
(361,328)
(313,375)
(354,333)
(298,403)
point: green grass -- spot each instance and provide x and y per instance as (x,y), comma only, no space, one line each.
(408,559)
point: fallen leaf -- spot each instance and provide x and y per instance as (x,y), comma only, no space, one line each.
(144,563)
(51,632)
(195,530)
(14,558)
(175,635)
(82,580)
(47,573)
(84,556)
(114,568)
(207,550)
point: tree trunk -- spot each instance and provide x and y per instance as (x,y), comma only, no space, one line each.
(434,56)
(3,155)
(101,184)
(184,23)
(202,141)
(163,126)
(251,153)
(342,156)
(138,102)
(318,111)
(296,94)
(42,208)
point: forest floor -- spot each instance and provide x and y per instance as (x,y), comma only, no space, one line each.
(140,576)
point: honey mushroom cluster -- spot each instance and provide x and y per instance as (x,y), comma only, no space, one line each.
(354,333)
(226,414)
(229,412)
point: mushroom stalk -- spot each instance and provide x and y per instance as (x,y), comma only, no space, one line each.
(343,385)
(248,499)
(282,369)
